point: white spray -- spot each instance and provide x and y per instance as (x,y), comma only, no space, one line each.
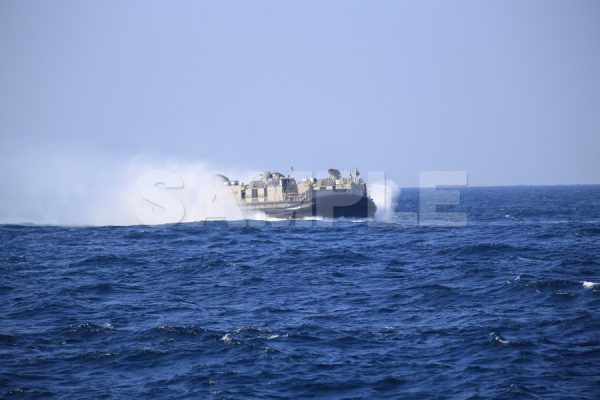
(70,190)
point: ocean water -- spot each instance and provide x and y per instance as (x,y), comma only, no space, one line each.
(505,307)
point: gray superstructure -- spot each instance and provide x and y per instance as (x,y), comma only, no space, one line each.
(282,196)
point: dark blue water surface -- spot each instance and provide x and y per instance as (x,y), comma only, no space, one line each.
(506,307)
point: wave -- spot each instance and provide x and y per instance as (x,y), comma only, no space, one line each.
(497,338)
(483,248)
(106,260)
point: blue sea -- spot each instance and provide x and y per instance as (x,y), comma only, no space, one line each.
(505,307)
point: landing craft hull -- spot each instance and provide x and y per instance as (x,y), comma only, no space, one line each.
(280,196)
(327,205)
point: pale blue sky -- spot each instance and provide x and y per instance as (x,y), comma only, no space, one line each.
(508,91)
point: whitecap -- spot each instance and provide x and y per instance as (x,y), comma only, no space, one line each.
(226,338)
(251,329)
(494,337)
(589,285)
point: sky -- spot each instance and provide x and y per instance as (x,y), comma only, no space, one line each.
(508,91)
